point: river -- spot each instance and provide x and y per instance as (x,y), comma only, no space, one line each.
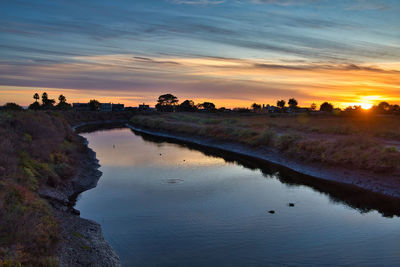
(166,204)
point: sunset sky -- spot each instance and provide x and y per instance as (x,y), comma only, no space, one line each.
(230,52)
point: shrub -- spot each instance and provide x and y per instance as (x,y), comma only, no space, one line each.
(287,141)
(267,137)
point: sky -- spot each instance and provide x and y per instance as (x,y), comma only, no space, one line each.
(230,52)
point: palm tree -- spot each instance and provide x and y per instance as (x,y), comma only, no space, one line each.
(45,98)
(36,97)
(62,99)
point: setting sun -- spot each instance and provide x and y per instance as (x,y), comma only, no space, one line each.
(366,105)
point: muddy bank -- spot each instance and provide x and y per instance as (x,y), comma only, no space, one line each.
(82,241)
(378,183)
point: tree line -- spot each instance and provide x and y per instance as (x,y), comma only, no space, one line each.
(48,103)
(169,103)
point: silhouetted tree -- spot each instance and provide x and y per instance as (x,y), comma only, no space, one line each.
(62,104)
(313,107)
(207,106)
(187,105)
(12,107)
(94,105)
(166,102)
(62,99)
(292,104)
(384,107)
(34,106)
(256,106)
(45,98)
(36,97)
(46,102)
(326,107)
(281,103)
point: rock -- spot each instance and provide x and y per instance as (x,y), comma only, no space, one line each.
(271,211)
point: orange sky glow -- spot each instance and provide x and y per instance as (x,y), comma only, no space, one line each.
(231,53)
(342,85)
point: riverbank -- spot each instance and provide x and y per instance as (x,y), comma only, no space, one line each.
(82,241)
(44,166)
(385,183)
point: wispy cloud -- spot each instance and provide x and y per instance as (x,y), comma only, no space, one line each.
(231,49)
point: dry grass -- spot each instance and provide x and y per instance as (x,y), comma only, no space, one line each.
(349,141)
(37,149)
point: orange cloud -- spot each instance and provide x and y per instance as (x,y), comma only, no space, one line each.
(227,82)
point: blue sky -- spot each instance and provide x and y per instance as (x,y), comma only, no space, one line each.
(238,51)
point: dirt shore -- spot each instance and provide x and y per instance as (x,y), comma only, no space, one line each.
(378,183)
(82,242)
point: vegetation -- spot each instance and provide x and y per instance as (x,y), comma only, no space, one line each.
(326,107)
(167,102)
(12,107)
(281,103)
(363,142)
(48,104)
(38,149)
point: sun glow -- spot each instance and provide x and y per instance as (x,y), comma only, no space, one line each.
(366,105)
(366,102)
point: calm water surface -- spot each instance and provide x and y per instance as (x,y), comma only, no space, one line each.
(165,204)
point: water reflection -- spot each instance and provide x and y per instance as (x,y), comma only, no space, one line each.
(197,206)
(359,199)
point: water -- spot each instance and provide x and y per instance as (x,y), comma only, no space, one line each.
(192,208)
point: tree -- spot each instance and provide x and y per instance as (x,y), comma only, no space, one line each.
(292,104)
(62,99)
(256,106)
(45,98)
(187,105)
(12,107)
(94,105)
(281,103)
(384,106)
(36,97)
(207,106)
(326,107)
(62,104)
(34,106)
(47,103)
(313,107)
(166,102)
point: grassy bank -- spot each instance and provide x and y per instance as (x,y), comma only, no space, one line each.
(361,142)
(38,149)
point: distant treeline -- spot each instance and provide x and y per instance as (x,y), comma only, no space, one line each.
(170,103)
